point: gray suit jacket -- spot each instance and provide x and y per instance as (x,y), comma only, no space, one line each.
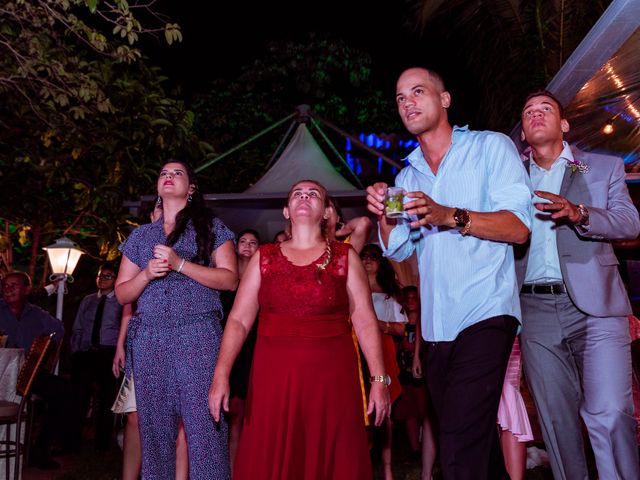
(587,261)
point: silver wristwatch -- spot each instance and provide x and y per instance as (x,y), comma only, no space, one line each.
(584,215)
(385,379)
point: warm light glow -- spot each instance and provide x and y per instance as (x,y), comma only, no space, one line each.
(615,78)
(608,128)
(634,111)
(63,256)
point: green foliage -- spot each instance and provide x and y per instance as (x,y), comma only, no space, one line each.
(83,128)
(325,73)
(510,46)
(44,46)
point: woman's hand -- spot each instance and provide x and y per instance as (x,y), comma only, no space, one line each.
(379,401)
(118,361)
(219,394)
(164,252)
(156,268)
(416,367)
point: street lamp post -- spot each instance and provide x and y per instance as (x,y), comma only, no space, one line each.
(63,257)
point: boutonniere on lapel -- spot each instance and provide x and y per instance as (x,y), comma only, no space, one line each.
(577,166)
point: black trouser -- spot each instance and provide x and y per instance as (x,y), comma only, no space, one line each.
(89,369)
(465,378)
(61,419)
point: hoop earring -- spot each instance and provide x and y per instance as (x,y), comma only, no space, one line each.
(159,202)
(189,198)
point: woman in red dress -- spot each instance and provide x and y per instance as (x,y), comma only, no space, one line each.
(303,417)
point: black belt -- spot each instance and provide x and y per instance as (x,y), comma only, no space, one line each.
(540,289)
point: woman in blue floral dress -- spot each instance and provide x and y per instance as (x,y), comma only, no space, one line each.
(174,268)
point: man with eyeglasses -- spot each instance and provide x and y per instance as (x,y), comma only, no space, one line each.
(93,345)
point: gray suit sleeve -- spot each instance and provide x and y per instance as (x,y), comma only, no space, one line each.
(619,220)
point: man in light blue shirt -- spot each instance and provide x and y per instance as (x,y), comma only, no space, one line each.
(575,340)
(468,200)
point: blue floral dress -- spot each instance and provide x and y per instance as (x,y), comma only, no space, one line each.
(173,343)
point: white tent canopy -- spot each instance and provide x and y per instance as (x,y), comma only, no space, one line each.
(260,206)
(302,159)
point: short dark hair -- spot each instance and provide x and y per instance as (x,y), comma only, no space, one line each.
(107,266)
(250,231)
(544,93)
(281,232)
(334,203)
(434,75)
(409,289)
(26,279)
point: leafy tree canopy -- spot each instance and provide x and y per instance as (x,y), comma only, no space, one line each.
(510,46)
(323,72)
(85,123)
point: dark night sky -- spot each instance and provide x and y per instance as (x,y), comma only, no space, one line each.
(219,37)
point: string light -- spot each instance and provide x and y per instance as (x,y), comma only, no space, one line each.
(608,127)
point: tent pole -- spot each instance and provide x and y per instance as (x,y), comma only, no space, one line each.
(246,142)
(389,160)
(335,150)
(286,135)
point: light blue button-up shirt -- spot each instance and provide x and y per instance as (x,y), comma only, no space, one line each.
(464,279)
(543,265)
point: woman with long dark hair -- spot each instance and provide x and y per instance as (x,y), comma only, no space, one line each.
(174,268)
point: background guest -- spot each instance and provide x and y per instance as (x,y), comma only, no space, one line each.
(385,291)
(22,322)
(354,232)
(93,344)
(281,236)
(247,246)
(413,405)
(513,419)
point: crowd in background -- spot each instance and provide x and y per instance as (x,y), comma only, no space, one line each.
(292,358)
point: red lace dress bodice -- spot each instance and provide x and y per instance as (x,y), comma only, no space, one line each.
(303,417)
(303,300)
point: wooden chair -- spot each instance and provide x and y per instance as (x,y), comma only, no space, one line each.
(12,413)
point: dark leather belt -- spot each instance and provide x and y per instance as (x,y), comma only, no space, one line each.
(541,289)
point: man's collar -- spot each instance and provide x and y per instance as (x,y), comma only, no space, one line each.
(456,131)
(109,295)
(416,157)
(565,155)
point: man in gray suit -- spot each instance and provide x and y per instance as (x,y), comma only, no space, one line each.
(575,338)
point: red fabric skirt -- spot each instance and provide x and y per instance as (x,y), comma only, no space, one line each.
(303,418)
(391,366)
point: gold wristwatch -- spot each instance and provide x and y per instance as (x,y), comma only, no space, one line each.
(462,218)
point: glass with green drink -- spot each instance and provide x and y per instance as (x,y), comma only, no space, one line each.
(393,205)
